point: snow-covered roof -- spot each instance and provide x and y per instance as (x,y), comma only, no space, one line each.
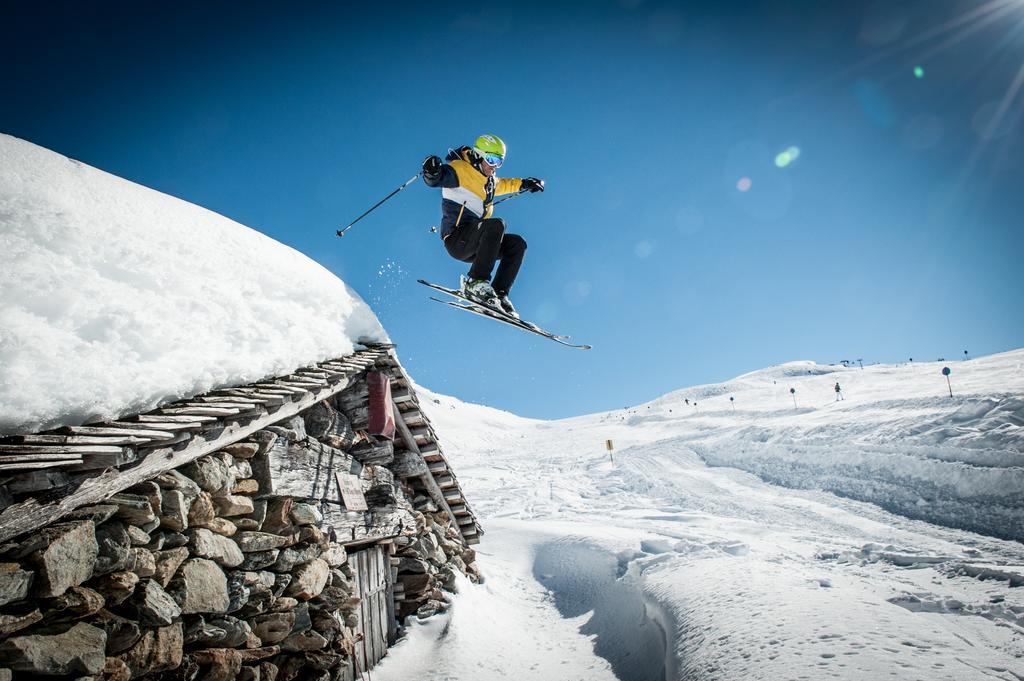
(115,297)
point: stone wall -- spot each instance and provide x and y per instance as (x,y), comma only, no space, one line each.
(220,569)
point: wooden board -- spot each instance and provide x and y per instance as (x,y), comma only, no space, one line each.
(135,429)
(303,471)
(29,451)
(173,418)
(109,440)
(32,465)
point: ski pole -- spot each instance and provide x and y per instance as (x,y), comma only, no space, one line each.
(507,198)
(341,232)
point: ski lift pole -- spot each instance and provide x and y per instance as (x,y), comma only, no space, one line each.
(341,232)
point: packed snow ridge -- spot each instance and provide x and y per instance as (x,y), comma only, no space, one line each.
(115,298)
(745,538)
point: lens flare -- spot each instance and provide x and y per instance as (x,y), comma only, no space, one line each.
(786,157)
(744,184)
(918,72)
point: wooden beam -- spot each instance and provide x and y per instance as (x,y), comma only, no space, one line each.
(197,411)
(427,479)
(29,450)
(30,458)
(222,403)
(172,418)
(293,390)
(255,395)
(47,439)
(120,429)
(31,465)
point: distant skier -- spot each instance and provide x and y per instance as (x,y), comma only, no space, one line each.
(468,187)
(839,392)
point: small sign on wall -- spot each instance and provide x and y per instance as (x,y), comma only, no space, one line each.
(351,490)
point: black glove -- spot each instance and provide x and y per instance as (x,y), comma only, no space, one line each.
(531,184)
(431,166)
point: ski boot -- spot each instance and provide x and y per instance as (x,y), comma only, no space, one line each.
(479,291)
(506,304)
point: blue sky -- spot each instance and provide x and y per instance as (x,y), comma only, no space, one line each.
(895,233)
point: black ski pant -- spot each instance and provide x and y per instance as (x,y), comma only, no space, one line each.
(484,242)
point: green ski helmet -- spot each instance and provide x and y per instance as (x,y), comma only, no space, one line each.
(491,149)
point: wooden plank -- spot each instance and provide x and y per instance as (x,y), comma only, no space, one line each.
(313,374)
(32,514)
(170,428)
(299,378)
(45,439)
(171,418)
(273,390)
(390,602)
(121,429)
(293,390)
(380,612)
(260,397)
(361,587)
(238,404)
(31,458)
(382,600)
(178,436)
(339,367)
(296,382)
(221,398)
(437,467)
(29,450)
(356,528)
(371,606)
(196,411)
(371,571)
(32,465)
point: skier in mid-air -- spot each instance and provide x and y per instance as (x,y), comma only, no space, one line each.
(468,187)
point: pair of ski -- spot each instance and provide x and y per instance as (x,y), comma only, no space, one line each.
(469,305)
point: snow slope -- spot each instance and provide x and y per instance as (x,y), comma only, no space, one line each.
(746,539)
(115,297)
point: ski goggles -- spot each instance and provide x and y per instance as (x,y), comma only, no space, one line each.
(492,159)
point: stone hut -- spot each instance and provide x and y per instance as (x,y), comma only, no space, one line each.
(274,531)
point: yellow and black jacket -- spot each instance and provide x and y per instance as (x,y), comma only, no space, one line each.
(466,193)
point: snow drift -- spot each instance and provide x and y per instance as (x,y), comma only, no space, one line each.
(115,298)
